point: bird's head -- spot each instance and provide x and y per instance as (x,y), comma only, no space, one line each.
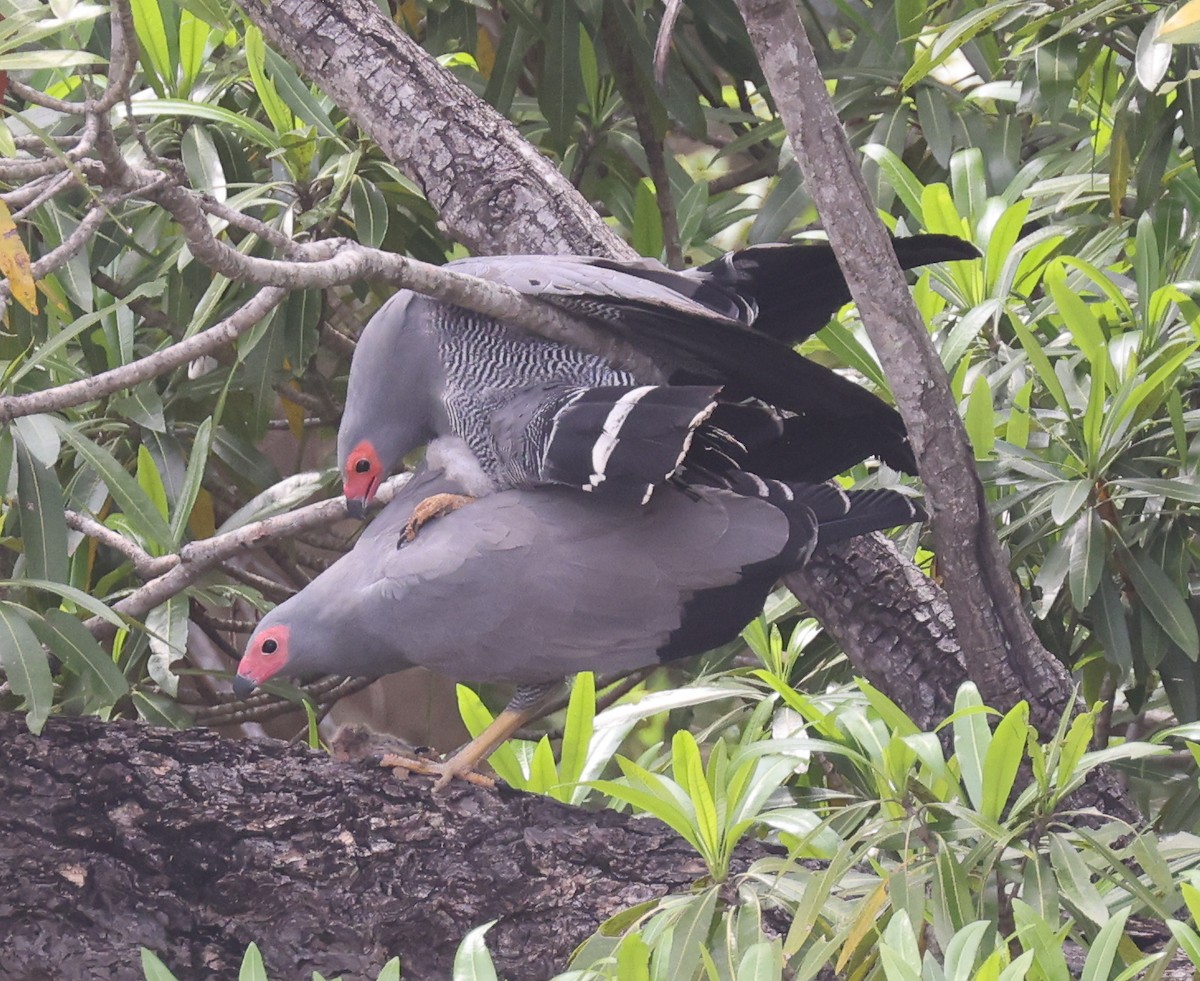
(266,656)
(362,473)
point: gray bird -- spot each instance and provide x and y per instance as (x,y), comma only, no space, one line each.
(502,408)
(531,586)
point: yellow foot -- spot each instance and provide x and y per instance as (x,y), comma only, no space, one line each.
(435,506)
(445,772)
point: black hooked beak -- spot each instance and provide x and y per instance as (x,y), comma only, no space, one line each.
(357,509)
(243,687)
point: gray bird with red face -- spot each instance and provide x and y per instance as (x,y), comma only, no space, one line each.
(501,408)
(531,586)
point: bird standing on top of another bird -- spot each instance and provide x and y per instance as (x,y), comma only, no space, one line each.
(500,407)
(530,586)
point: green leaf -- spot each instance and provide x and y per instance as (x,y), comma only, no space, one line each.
(647,220)
(69,640)
(76,596)
(578,727)
(370,212)
(276,109)
(193,35)
(139,510)
(1036,936)
(1041,365)
(152,37)
(963,947)
(562,81)
(1103,953)
(150,480)
(390,971)
(1188,940)
(192,480)
(25,665)
(1068,498)
(1003,759)
(154,969)
(43,524)
(1075,881)
(1019,418)
(981,419)
(1089,546)
(231,121)
(167,627)
(1165,601)
(901,180)
(971,739)
(1110,623)
(476,718)
(472,962)
(252,968)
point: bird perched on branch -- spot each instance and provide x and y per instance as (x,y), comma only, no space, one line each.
(531,586)
(501,408)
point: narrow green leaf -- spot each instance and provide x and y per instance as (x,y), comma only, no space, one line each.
(1188,940)
(390,971)
(1037,936)
(691,930)
(963,949)
(69,640)
(647,221)
(543,774)
(1075,881)
(1017,432)
(578,727)
(235,122)
(70,593)
(252,968)
(981,419)
(1041,364)
(1078,317)
(1102,956)
(25,665)
(167,626)
(43,524)
(154,969)
(152,37)
(370,212)
(1165,602)
(1003,759)
(150,480)
(1068,498)
(476,718)
(562,81)
(276,109)
(971,740)
(901,180)
(1111,624)
(1088,549)
(472,962)
(192,480)
(141,513)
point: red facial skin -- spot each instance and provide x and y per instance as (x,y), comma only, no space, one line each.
(359,481)
(258,665)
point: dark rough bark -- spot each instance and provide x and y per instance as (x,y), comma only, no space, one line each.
(906,645)
(117,836)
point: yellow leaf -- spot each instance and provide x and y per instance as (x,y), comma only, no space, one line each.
(864,923)
(1183,26)
(485,53)
(14,262)
(202,521)
(295,415)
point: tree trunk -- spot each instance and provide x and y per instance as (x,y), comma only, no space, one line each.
(115,836)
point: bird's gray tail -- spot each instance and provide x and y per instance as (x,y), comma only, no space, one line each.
(839,514)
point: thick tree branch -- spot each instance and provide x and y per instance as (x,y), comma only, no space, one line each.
(194,845)
(1001,650)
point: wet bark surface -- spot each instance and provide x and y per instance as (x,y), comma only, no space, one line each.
(115,836)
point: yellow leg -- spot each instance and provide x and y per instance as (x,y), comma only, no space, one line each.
(527,704)
(434,506)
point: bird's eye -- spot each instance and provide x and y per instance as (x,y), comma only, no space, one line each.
(269,646)
(362,466)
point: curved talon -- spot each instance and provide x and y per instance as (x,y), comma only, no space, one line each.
(434,506)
